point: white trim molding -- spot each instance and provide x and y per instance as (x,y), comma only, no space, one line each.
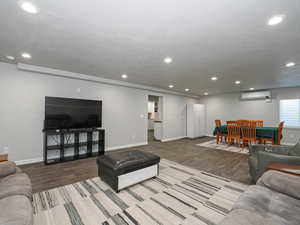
(126,146)
(79,76)
(40,159)
(172,139)
(29,161)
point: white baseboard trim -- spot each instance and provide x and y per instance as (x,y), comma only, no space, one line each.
(210,135)
(40,159)
(126,146)
(172,139)
(29,161)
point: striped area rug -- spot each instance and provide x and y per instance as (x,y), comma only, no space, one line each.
(179,195)
(223,146)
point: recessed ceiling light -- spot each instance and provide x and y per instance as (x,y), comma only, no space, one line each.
(214,78)
(290,64)
(171,86)
(10,57)
(251,89)
(28,7)
(26,55)
(124,76)
(275,20)
(205,93)
(237,82)
(168,60)
(187,89)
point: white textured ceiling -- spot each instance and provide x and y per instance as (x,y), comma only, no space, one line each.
(106,38)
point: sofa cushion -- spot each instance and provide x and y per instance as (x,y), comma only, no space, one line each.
(295,150)
(245,217)
(273,207)
(7,168)
(16,184)
(16,210)
(277,181)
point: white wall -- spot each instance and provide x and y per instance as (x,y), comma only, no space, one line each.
(22,96)
(229,107)
(174,117)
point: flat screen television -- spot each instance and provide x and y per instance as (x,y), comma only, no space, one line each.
(69,113)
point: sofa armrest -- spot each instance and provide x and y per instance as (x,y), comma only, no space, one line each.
(279,149)
(253,149)
(7,168)
(276,149)
(264,158)
(281,182)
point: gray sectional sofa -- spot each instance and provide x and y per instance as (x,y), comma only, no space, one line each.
(262,155)
(15,196)
(274,200)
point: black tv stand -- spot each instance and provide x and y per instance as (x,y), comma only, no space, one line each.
(63,142)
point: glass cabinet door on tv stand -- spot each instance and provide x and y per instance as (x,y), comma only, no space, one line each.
(67,145)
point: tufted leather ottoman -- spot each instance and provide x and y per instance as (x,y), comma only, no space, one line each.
(123,169)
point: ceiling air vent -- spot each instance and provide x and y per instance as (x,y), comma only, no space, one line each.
(256,95)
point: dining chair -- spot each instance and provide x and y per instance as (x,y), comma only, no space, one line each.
(234,134)
(218,123)
(279,135)
(243,123)
(220,135)
(231,122)
(280,128)
(259,123)
(249,134)
(253,123)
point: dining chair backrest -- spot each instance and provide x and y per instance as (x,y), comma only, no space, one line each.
(243,123)
(253,123)
(218,123)
(281,124)
(259,123)
(233,130)
(249,133)
(231,122)
(280,128)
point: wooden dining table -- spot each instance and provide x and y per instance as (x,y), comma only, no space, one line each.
(261,132)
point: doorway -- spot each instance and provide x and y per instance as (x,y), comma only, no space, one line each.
(155,121)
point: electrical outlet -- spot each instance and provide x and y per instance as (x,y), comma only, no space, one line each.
(133,136)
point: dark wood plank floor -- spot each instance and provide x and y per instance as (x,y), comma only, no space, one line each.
(185,151)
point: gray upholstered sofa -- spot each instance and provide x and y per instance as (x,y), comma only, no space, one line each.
(275,200)
(262,155)
(15,196)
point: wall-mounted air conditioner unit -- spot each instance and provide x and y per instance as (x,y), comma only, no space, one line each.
(256,95)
